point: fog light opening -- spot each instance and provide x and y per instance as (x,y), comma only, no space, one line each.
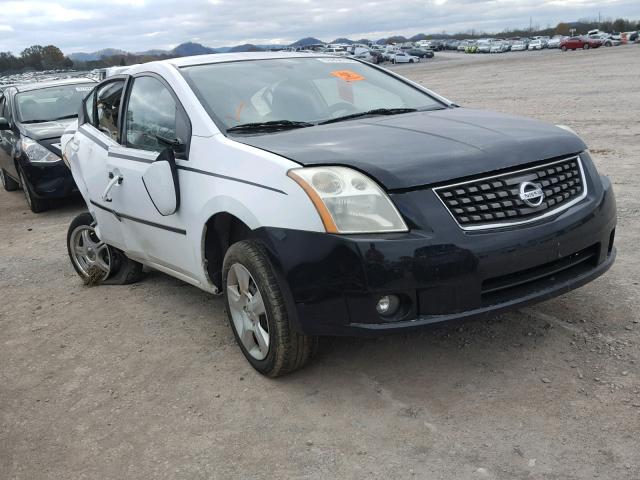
(611,239)
(388,305)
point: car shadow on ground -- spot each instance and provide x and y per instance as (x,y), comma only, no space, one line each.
(466,350)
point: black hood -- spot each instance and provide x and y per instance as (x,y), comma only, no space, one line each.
(47,133)
(423,148)
(45,130)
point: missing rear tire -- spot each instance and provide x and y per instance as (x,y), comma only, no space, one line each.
(96,262)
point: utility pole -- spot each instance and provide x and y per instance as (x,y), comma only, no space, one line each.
(530,24)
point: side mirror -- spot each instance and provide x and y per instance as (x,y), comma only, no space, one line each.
(4,124)
(161,183)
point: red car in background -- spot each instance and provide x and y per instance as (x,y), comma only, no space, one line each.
(573,43)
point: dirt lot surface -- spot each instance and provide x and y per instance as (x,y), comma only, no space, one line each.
(146,381)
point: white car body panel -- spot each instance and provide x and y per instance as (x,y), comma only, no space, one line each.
(221,175)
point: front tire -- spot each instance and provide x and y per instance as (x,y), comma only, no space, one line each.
(585,46)
(95,261)
(258,313)
(8,183)
(37,205)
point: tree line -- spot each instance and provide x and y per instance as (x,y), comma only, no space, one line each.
(35,57)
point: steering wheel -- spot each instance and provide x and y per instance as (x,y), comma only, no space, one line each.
(342,108)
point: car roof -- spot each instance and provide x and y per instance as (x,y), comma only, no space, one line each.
(234,57)
(26,87)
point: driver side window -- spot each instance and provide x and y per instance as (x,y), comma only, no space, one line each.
(153,112)
(108,108)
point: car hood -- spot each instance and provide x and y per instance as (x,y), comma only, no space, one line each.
(45,130)
(422,148)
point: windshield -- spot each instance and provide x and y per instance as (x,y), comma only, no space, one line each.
(309,90)
(51,103)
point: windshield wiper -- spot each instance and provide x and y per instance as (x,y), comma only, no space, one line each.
(269,126)
(64,117)
(34,121)
(375,111)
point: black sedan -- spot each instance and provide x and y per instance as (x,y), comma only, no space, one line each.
(419,52)
(32,120)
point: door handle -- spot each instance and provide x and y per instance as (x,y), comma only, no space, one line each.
(115,180)
(73,144)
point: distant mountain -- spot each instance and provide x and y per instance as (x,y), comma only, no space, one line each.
(305,42)
(87,57)
(343,40)
(154,52)
(247,47)
(418,37)
(190,48)
(396,39)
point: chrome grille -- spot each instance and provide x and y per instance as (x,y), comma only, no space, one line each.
(496,201)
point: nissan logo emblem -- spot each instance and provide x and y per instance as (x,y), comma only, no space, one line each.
(531,194)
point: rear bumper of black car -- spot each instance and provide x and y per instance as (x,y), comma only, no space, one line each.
(440,273)
(49,180)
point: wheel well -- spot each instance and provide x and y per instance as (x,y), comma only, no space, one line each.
(221,231)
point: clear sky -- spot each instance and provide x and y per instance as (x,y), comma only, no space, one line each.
(138,25)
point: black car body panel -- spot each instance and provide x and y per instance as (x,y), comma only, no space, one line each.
(428,147)
(440,272)
(47,180)
(45,130)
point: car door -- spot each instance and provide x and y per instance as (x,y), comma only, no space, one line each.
(8,138)
(98,130)
(5,150)
(151,112)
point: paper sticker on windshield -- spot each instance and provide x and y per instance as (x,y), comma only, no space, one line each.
(347,75)
(83,89)
(336,60)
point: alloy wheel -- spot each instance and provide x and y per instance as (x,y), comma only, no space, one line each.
(88,252)
(248,311)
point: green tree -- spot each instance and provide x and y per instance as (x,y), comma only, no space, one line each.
(620,25)
(562,29)
(32,57)
(52,57)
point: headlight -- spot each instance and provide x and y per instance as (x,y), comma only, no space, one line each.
(36,152)
(348,201)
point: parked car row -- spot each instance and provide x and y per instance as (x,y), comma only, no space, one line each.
(378,54)
(594,39)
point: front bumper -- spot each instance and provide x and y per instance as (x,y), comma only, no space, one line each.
(49,180)
(441,273)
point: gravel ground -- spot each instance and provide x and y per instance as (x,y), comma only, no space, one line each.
(146,381)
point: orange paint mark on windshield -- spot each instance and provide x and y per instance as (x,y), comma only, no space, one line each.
(239,111)
(347,75)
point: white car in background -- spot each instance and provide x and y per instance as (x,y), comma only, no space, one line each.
(536,44)
(336,51)
(554,42)
(519,46)
(499,47)
(403,57)
(606,39)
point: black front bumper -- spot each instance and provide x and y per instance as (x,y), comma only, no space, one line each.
(441,273)
(49,180)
